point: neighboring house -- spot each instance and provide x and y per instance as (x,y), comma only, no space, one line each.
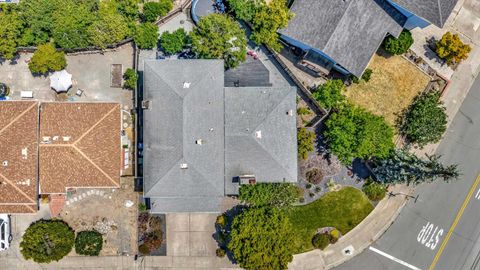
(202,139)
(47,148)
(343,35)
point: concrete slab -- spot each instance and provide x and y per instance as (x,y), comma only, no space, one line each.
(202,222)
(178,243)
(202,244)
(178,222)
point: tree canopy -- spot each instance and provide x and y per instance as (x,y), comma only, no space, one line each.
(399,45)
(403,167)
(219,36)
(109,27)
(88,243)
(425,121)
(330,94)
(46,58)
(265,19)
(146,35)
(153,10)
(11,27)
(269,194)
(452,49)
(261,238)
(353,132)
(174,42)
(47,240)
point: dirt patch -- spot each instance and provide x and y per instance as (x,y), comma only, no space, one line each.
(106,211)
(116,75)
(393,85)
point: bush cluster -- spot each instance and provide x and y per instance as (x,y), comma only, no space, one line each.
(46,58)
(88,243)
(321,240)
(452,49)
(130,78)
(305,142)
(374,191)
(398,45)
(314,176)
(329,94)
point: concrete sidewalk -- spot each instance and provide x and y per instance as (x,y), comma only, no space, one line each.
(362,236)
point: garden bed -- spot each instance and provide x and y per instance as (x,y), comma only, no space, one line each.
(151,234)
(395,82)
(343,209)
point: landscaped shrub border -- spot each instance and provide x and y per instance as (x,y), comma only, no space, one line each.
(88,243)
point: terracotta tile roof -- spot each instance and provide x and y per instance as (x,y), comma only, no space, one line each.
(18,156)
(79,146)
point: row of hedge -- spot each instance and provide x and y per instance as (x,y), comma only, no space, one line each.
(51,240)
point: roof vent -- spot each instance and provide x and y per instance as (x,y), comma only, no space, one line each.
(290,112)
(211,129)
(183,166)
(24,153)
(145,104)
(186,85)
(258,134)
(5,163)
(199,141)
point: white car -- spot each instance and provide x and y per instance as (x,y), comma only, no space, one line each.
(5,236)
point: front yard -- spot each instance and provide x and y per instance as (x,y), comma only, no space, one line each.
(393,85)
(343,209)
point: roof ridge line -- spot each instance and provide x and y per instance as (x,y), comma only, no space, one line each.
(18,117)
(96,124)
(440,12)
(336,26)
(94,164)
(17,188)
(275,107)
(158,180)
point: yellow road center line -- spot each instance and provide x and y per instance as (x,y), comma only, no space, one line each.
(454,224)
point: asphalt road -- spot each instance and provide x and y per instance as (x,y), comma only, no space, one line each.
(445,205)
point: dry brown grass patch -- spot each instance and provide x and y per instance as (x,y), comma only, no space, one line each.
(394,83)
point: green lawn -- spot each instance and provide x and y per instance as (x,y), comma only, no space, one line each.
(343,209)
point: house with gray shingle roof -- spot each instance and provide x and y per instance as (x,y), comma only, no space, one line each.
(200,138)
(343,35)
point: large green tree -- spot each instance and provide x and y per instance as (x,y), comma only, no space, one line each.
(353,132)
(109,27)
(261,238)
(219,36)
(153,10)
(46,58)
(266,22)
(39,20)
(269,194)
(71,23)
(330,94)
(425,121)
(245,9)
(403,167)
(452,49)
(10,30)
(146,35)
(47,240)
(174,42)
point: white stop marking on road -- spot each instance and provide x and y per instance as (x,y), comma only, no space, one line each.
(430,235)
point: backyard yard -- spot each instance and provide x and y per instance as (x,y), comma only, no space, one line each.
(343,210)
(393,85)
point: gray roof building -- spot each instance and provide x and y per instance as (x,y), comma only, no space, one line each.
(434,11)
(200,136)
(349,31)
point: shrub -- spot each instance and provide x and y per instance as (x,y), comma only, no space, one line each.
(452,49)
(220,252)
(353,132)
(308,186)
(398,45)
(146,35)
(143,249)
(306,142)
(330,94)
(153,240)
(142,207)
(425,120)
(318,189)
(174,42)
(60,241)
(269,194)
(130,78)
(320,240)
(304,111)
(153,10)
(88,243)
(314,176)
(374,191)
(334,236)
(262,230)
(221,221)
(367,75)
(46,58)
(218,36)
